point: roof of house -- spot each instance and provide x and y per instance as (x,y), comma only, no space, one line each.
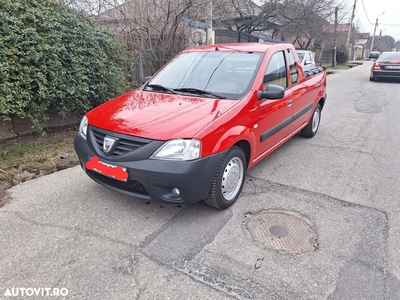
(194,23)
(118,13)
(340,27)
(363,36)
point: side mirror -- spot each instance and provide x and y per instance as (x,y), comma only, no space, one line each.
(146,79)
(273,92)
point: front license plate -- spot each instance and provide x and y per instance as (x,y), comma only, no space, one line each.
(116,172)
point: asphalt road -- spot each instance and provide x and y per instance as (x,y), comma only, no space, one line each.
(337,194)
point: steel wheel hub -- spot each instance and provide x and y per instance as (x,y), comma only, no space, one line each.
(315,121)
(232,178)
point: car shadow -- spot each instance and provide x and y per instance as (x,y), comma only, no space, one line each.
(388,80)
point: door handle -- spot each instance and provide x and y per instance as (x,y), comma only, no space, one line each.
(289,103)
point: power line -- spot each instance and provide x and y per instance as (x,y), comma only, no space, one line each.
(366,13)
(360,26)
(389,24)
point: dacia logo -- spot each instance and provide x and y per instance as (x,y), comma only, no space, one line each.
(108,144)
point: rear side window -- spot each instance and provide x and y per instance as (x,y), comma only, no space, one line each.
(276,72)
(294,72)
(308,57)
(390,56)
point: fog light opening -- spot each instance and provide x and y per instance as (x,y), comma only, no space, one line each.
(176,192)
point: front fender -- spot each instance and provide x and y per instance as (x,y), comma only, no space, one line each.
(233,136)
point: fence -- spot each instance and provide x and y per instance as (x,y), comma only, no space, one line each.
(148,62)
(229,36)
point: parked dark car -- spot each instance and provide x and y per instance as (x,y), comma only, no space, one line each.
(374,55)
(386,66)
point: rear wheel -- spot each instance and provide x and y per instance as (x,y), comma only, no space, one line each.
(371,76)
(312,127)
(228,180)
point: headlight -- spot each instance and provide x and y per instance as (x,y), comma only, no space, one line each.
(83,126)
(179,149)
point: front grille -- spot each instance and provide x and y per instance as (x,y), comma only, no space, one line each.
(125,143)
(130,186)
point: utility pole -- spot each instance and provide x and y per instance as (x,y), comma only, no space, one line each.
(373,37)
(335,39)
(380,43)
(209,30)
(350,26)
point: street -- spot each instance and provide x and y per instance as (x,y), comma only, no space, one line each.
(332,202)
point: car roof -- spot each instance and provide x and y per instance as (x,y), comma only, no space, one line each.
(302,51)
(243,47)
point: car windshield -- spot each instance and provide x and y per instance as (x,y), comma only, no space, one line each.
(212,74)
(390,56)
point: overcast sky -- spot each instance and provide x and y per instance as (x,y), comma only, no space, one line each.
(367,12)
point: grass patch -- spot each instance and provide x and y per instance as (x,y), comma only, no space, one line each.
(33,150)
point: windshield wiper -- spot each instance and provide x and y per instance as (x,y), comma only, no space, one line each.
(160,88)
(199,92)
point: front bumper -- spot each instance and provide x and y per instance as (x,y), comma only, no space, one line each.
(155,179)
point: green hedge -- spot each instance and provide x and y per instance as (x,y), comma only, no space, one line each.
(54,58)
(342,55)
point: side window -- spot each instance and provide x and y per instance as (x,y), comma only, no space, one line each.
(276,71)
(310,57)
(294,73)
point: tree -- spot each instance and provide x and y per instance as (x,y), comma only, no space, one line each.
(145,24)
(53,58)
(385,43)
(245,15)
(301,20)
(153,30)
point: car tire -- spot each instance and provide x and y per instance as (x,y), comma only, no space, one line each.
(228,180)
(312,127)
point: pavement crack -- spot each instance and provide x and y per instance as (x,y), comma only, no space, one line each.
(258,263)
(277,185)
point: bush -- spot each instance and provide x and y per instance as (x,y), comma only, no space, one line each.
(342,55)
(54,58)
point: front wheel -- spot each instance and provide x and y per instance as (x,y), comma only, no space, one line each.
(312,127)
(228,180)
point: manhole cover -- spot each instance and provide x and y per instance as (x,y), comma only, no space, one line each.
(281,230)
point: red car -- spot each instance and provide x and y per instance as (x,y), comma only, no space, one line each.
(192,130)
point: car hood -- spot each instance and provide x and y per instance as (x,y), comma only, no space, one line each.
(157,115)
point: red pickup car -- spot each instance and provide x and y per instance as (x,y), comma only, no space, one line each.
(193,129)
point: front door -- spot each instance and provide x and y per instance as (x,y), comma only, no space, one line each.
(274,116)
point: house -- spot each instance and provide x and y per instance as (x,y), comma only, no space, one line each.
(360,48)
